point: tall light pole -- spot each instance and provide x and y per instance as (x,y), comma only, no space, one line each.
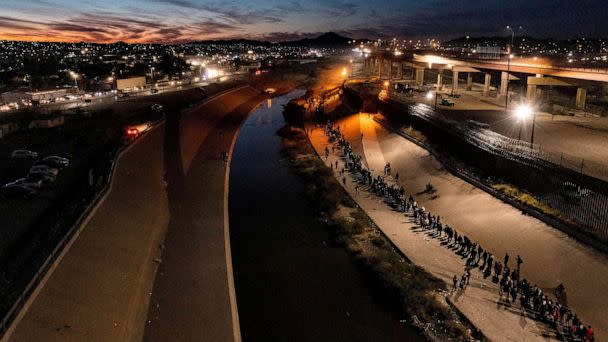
(429,96)
(533,124)
(509,65)
(75,78)
(523,112)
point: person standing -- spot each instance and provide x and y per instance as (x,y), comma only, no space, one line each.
(506,259)
(590,335)
(519,261)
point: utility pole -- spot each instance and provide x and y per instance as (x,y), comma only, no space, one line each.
(533,125)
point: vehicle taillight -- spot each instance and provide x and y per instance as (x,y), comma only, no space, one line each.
(132,132)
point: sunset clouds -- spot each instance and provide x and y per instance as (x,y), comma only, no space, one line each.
(189,20)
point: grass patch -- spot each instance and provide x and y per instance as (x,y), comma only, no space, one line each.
(529,200)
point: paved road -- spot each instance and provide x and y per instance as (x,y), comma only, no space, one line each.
(193,297)
(168,186)
(99,289)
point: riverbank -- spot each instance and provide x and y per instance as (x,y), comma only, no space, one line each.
(292,282)
(416,292)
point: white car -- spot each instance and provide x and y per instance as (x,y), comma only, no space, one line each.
(44,169)
(28,182)
(54,162)
(45,177)
(24,154)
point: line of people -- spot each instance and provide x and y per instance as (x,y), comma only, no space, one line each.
(532,299)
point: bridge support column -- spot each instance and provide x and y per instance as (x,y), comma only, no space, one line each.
(504,77)
(390,70)
(419,76)
(469,81)
(581,97)
(531,93)
(399,70)
(439,80)
(454,81)
(379,61)
(486,85)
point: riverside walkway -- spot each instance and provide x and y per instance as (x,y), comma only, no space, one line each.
(496,225)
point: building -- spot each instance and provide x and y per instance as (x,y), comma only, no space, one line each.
(488,52)
(131,83)
(35,96)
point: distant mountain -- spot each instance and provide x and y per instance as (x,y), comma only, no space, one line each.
(329,39)
(234,41)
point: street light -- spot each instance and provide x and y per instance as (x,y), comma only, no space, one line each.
(522,113)
(429,96)
(75,78)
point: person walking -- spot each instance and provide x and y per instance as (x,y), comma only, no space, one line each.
(506,259)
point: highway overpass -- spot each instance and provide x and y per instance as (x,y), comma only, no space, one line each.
(394,67)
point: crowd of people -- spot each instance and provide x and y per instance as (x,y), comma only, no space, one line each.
(512,287)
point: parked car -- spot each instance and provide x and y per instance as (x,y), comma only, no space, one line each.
(446,102)
(45,178)
(456,96)
(24,154)
(30,183)
(17,191)
(157,108)
(44,169)
(153,91)
(54,162)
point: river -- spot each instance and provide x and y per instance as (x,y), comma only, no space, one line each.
(291,282)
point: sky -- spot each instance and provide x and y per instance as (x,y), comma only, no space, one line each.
(169,21)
